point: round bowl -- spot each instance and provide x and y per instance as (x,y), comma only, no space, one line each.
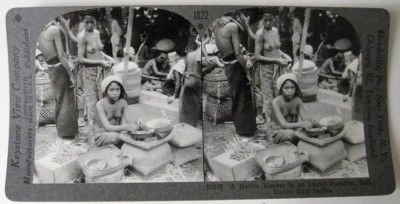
(335,130)
(96,165)
(141,134)
(315,132)
(274,161)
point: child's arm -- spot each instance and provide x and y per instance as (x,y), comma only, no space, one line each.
(302,112)
(127,118)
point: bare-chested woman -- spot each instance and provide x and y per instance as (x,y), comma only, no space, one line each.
(113,112)
(270,60)
(93,62)
(288,110)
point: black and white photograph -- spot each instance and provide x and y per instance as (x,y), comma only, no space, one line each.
(168,102)
(285,99)
(118,98)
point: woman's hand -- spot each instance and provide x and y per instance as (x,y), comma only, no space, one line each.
(282,61)
(106,63)
(288,59)
(245,19)
(64,23)
(306,124)
(132,127)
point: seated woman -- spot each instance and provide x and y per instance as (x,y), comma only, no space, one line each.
(334,66)
(158,66)
(288,110)
(113,112)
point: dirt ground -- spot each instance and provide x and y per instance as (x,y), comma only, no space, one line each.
(46,142)
(221,138)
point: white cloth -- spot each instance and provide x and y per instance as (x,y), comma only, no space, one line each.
(307,64)
(353,66)
(211,48)
(179,67)
(285,77)
(110,79)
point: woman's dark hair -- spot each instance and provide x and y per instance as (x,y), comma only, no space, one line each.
(268,16)
(123,92)
(120,53)
(116,13)
(297,93)
(181,52)
(156,53)
(90,12)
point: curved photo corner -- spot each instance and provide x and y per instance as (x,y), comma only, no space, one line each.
(108,88)
(284,98)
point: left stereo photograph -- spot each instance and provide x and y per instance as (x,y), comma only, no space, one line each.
(111,105)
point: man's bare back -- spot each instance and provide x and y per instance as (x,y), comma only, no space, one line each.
(50,43)
(223,29)
(226,32)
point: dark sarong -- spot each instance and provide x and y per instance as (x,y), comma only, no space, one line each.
(243,111)
(356,105)
(190,108)
(66,109)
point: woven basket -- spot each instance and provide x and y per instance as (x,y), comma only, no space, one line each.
(287,171)
(218,110)
(216,84)
(46,111)
(44,88)
(217,89)
(185,135)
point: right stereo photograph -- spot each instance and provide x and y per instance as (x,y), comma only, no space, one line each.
(283,100)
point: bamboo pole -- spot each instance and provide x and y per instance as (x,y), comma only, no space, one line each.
(128,43)
(303,42)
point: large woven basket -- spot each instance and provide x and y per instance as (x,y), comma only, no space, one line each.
(218,110)
(46,111)
(217,89)
(44,88)
(287,171)
(216,84)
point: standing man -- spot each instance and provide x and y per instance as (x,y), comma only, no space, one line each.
(226,32)
(51,43)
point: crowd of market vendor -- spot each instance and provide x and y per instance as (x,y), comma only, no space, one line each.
(259,52)
(264,50)
(80,51)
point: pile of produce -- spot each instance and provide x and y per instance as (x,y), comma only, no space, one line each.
(315,130)
(243,151)
(281,160)
(334,124)
(142,133)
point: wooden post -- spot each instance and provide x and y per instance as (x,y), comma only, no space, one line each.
(303,42)
(128,42)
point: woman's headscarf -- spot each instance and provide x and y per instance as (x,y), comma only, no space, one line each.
(288,76)
(110,79)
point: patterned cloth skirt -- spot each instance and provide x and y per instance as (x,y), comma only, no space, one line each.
(89,90)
